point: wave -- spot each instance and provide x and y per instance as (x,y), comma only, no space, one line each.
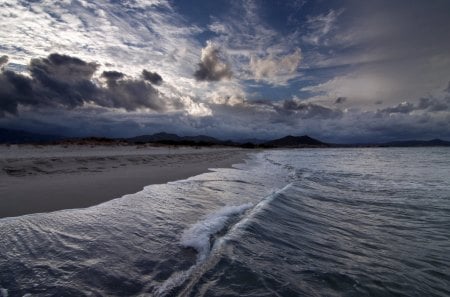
(341,226)
(200,237)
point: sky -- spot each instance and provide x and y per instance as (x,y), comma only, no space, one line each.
(340,71)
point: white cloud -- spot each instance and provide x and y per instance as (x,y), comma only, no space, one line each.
(319,26)
(213,66)
(276,70)
(254,47)
(194,108)
(227,93)
(362,89)
(120,36)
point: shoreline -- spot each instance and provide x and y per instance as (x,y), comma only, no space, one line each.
(35,180)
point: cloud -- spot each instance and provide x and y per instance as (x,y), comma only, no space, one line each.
(152,77)
(62,67)
(448,88)
(433,104)
(3,60)
(360,87)
(378,51)
(307,110)
(112,75)
(319,26)
(56,80)
(340,100)
(194,108)
(275,69)
(14,89)
(118,35)
(424,104)
(243,31)
(65,81)
(365,86)
(132,94)
(253,45)
(229,93)
(404,107)
(263,119)
(212,66)
(366,52)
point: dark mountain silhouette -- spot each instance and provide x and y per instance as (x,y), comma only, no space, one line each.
(202,138)
(11,136)
(295,141)
(251,140)
(18,136)
(167,138)
(154,137)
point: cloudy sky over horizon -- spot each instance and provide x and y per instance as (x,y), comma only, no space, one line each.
(344,71)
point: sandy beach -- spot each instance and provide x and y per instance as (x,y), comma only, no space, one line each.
(47,178)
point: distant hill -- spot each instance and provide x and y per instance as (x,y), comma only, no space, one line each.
(252,140)
(154,137)
(18,136)
(417,143)
(11,136)
(202,138)
(295,141)
(167,138)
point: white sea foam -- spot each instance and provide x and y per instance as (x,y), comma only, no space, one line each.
(198,235)
(175,280)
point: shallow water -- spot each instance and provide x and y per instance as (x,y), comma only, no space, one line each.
(319,222)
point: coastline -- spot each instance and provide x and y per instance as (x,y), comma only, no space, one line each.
(45,179)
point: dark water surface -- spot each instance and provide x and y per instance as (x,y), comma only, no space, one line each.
(320,222)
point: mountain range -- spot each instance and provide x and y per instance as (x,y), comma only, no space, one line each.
(167,137)
(10,136)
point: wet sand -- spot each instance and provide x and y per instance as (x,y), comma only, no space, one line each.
(41,179)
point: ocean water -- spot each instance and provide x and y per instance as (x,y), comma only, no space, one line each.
(309,222)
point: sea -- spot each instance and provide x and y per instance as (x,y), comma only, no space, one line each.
(298,222)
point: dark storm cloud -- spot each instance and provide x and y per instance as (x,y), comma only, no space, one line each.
(152,77)
(63,68)
(211,66)
(309,110)
(3,60)
(60,80)
(434,104)
(112,75)
(428,104)
(404,107)
(340,100)
(131,94)
(64,81)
